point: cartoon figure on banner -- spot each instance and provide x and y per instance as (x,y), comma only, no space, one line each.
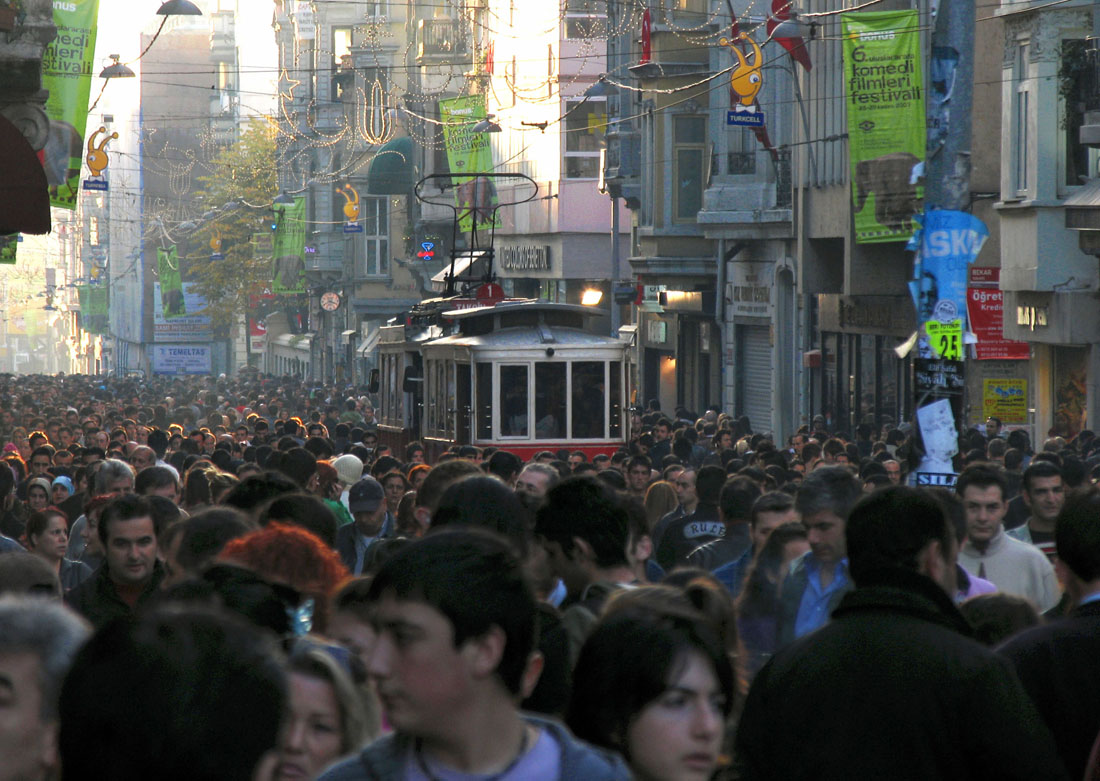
(746,78)
(351,208)
(97,160)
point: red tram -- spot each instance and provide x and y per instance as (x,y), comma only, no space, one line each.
(523,376)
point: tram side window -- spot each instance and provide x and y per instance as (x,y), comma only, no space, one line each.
(549,400)
(484,401)
(589,399)
(616,400)
(513,401)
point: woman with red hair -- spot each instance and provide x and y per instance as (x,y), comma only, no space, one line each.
(282,553)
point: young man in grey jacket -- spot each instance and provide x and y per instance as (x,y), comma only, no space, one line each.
(455,623)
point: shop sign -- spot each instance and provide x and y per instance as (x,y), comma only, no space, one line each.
(657,331)
(525,258)
(181,359)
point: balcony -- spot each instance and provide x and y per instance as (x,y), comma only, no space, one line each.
(757,208)
(440,40)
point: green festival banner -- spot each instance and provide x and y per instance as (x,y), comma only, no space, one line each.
(67,74)
(93,308)
(289,248)
(171,285)
(886,139)
(469,152)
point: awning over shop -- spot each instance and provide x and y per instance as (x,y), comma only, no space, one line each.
(392,171)
(24,192)
(467,267)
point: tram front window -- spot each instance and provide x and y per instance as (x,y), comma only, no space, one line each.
(513,401)
(589,400)
(549,400)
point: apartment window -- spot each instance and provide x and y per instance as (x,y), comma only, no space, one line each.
(689,160)
(341,45)
(1074,71)
(585,136)
(1022,145)
(586,19)
(374,216)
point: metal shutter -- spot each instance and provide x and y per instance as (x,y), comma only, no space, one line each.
(756,376)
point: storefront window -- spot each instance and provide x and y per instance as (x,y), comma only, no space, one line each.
(589,399)
(513,401)
(549,400)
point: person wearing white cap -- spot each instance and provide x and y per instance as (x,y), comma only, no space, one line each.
(350,469)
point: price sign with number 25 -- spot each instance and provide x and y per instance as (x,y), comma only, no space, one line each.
(945,338)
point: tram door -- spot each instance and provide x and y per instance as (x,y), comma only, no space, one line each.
(463,404)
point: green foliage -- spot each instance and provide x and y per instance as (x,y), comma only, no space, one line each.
(244,173)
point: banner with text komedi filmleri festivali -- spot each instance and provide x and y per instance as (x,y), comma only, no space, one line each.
(886,139)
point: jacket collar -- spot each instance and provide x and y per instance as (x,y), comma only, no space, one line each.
(900,590)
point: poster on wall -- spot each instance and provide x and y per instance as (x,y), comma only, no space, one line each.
(885,100)
(192,326)
(1070,390)
(985,308)
(1005,399)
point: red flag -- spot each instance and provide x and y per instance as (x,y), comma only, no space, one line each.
(647,50)
(781,12)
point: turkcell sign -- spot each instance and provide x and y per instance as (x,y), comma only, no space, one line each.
(745,118)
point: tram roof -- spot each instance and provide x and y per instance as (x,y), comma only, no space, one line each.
(505,307)
(528,337)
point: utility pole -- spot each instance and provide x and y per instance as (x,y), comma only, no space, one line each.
(939,368)
(947,170)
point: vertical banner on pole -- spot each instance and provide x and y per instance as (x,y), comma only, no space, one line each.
(469,152)
(289,248)
(884,93)
(171,284)
(67,73)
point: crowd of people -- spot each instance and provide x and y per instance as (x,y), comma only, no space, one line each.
(219,578)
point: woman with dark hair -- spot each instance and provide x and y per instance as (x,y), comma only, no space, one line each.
(655,684)
(48,538)
(758,605)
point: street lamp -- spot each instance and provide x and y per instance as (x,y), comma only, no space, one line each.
(116,70)
(179,8)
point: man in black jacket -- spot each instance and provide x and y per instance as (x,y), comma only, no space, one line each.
(1057,662)
(892,687)
(130,574)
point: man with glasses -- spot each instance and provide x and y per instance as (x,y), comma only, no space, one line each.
(893,471)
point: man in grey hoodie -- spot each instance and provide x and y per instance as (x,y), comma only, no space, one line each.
(455,623)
